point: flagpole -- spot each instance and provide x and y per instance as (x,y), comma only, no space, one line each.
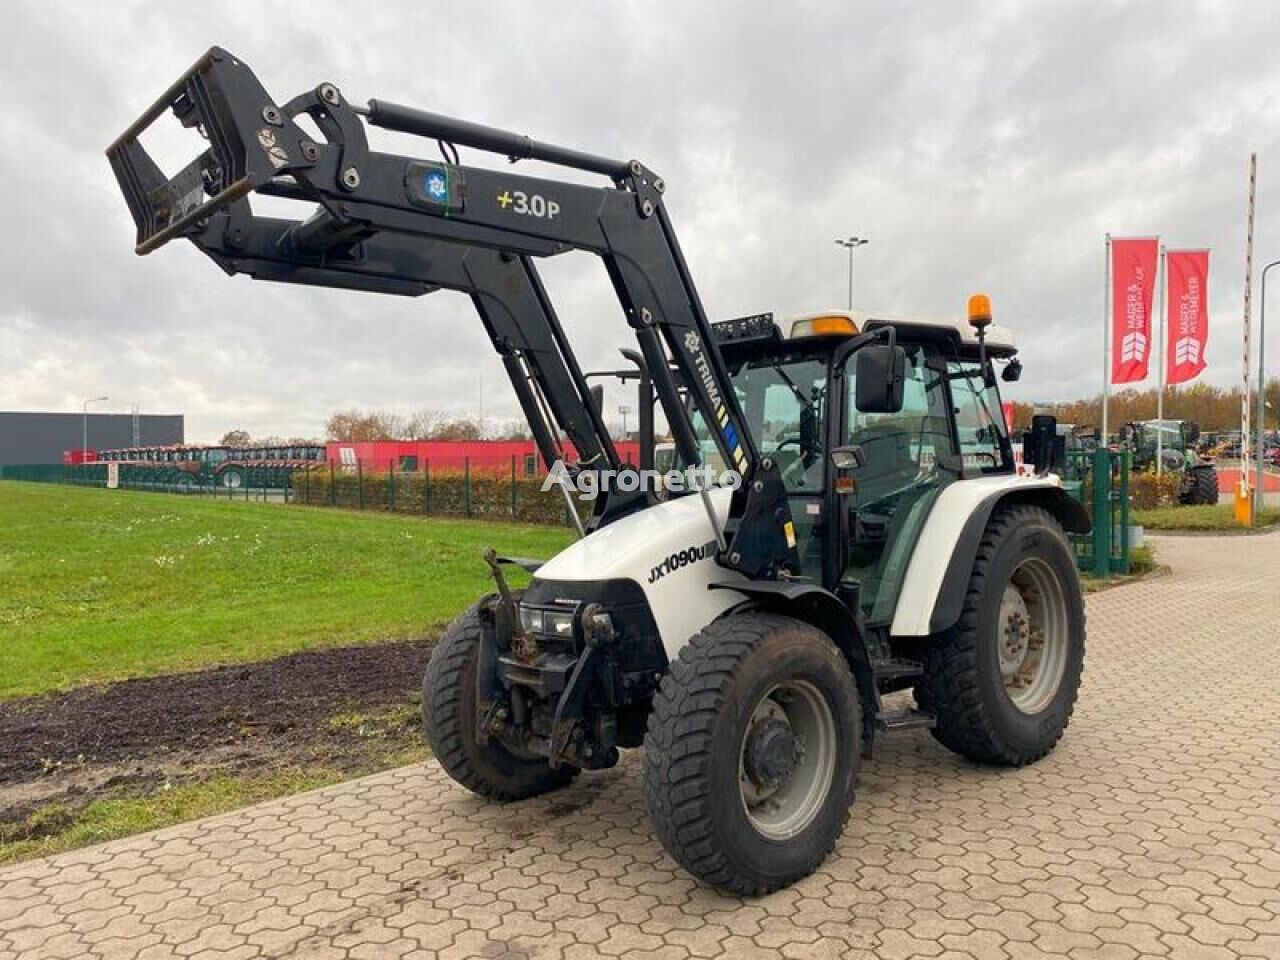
(1162,281)
(1106,341)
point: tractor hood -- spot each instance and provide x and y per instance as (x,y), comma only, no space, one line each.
(669,551)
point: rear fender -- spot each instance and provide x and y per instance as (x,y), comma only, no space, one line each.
(937,578)
(822,609)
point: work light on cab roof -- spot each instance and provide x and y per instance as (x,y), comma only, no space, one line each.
(824,325)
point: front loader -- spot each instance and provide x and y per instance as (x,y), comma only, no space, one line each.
(869,533)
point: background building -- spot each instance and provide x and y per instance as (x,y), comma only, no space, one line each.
(33,437)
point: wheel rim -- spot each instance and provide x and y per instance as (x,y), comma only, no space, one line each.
(231,479)
(1031,635)
(787,761)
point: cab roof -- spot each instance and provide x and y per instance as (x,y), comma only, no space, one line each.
(1000,340)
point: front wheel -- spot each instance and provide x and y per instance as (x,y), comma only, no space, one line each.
(1003,682)
(449,719)
(1202,488)
(752,751)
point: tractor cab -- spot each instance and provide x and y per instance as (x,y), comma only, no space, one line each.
(862,478)
(1174,439)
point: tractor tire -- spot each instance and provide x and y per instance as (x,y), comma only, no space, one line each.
(752,752)
(1003,682)
(449,721)
(1202,488)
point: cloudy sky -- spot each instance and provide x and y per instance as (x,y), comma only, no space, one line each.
(980,146)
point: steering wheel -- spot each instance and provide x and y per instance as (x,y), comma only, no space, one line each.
(793,471)
(995,461)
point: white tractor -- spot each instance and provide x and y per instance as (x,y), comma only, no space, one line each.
(874,537)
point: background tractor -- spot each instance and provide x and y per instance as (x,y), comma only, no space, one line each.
(1174,442)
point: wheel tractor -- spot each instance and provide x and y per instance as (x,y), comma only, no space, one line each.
(1172,443)
(869,533)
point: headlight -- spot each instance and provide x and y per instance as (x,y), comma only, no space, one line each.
(557,623)
(530,620)
(547,623)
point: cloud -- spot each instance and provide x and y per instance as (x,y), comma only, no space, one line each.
(979,145)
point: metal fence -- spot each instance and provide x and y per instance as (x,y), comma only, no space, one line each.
(455,490)
(1104,550)
(507,493)
(256,483)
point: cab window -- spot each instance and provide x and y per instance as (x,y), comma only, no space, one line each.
(980,427)
(784,403)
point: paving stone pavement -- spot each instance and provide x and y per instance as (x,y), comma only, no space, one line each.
(1153,830)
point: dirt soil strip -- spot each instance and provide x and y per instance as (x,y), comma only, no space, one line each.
(61,745)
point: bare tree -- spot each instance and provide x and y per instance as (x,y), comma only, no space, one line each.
(457,428)
(360,425)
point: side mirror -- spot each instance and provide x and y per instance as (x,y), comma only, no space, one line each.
(1012,372)
(880,373)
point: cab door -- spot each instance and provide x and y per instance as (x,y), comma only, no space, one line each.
(908,457)
(788,402)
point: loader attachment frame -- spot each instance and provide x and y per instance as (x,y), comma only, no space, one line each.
(397,224)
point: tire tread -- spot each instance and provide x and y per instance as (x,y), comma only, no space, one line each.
(442,720)
(949,688)
(677,790)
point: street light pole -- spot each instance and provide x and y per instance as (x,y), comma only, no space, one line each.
(84,427)
(1258,498)
(851,244)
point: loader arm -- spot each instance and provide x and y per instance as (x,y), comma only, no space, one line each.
(506,291)
(378,212)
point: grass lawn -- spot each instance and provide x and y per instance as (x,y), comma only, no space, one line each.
(102,585)
(1220,517)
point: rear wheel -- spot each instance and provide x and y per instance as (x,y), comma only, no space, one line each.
(752,751)
(1203,486)
(231,479)
(449,719)
(1003,682)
